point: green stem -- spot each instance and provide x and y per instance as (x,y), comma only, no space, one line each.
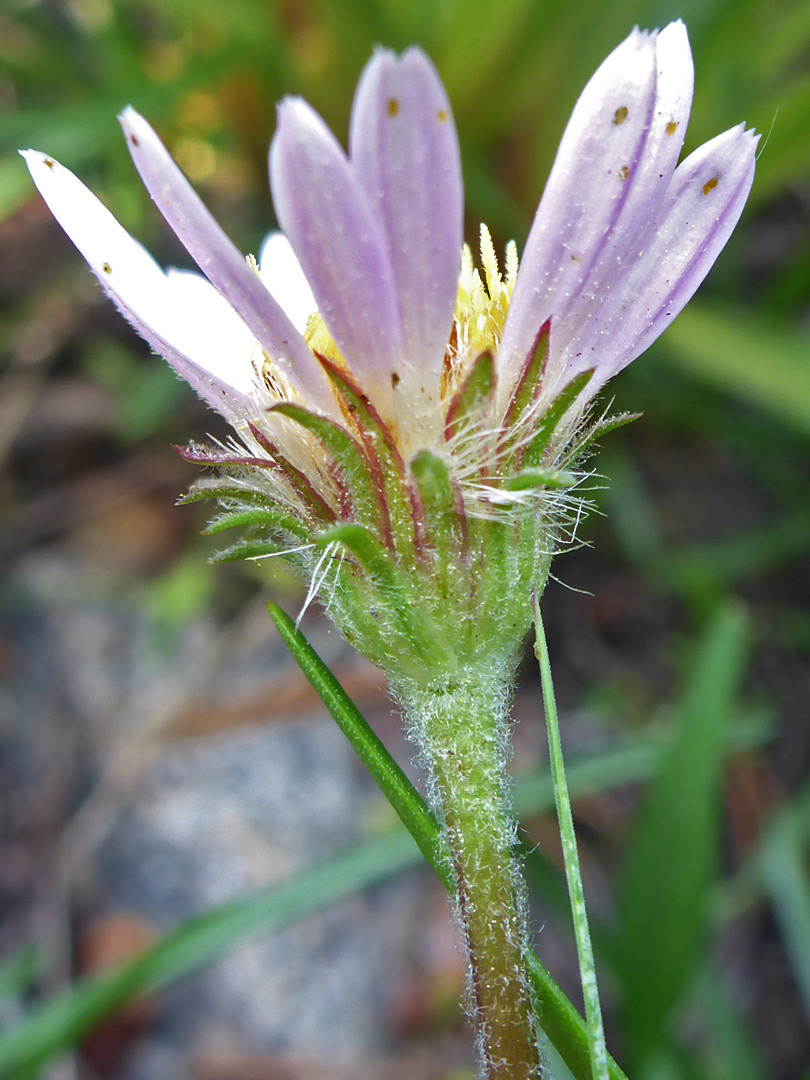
(460,725)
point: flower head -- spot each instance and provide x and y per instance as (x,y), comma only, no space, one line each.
(408,425)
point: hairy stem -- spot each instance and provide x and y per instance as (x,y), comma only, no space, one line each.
(461,727)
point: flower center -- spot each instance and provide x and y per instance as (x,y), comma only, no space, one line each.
(482,303)
(481,308)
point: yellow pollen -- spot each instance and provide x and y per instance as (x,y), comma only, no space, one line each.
(710,185)
(672,127)
(481,308)
(624,172)
(320,340)
(105,266)
(393,107)
(442,116)
(620,115)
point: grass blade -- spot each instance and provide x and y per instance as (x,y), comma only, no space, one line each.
(784,869)
(19,973)
(673,853)
(63,1021)
(750,357)
(597,1050)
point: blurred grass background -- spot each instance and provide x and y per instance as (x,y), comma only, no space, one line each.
(702,894)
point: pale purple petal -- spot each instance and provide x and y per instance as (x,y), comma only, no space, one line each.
(615,162)
(222,263)
(136,284)
(282,274)
(703,204)
(210,330)
(404,151)
(340,244)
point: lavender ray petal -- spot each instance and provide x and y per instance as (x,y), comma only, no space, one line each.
(615,161)
(133,281)
(236,407)
(283,276)
(340,244)
(208,329)
(404,152)
(704,202)
(223,264)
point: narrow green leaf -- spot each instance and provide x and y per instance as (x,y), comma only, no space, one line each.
(66,1019)
(762,361)
(673,853)
(563,1025)
(219,488)
(392,781)
(270,520)
(787,884)
(20,971)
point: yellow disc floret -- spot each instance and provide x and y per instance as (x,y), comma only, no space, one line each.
(481,307)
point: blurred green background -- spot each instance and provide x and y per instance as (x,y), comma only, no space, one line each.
(703,899)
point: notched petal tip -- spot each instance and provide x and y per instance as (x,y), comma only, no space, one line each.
(673,49)
(386,61)
(417,60)
(637,38)
(725,150)
(673,31)
(381,57)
